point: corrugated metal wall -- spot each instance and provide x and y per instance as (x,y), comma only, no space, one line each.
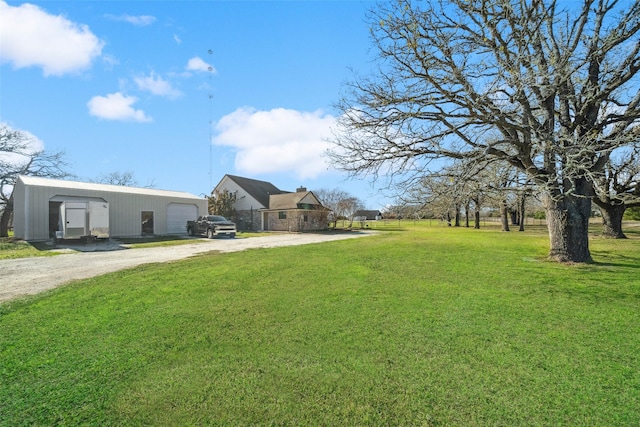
(31,209)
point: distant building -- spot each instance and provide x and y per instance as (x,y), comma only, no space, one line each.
(132,211)
(261,206)
(367,215)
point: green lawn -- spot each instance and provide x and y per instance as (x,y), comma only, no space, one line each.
(423,326)
(10,248)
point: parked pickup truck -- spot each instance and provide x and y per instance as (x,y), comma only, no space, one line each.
(211,226)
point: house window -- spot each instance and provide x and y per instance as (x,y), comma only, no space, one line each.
(305,217)
(282,215)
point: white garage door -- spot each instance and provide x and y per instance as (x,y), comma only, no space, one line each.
(177,216)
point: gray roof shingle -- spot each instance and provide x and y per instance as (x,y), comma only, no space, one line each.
(259,190)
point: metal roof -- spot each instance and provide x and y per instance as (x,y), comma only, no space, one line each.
(60,183)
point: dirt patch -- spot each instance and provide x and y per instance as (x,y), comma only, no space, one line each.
(28,276)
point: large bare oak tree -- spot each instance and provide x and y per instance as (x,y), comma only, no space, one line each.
(549,87)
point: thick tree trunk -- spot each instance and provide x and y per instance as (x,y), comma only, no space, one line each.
(515,218)
(4,223)
(612,220)
(466,215)
(476,206)
(457,219)
(6,216)
(504,215)
(568,225)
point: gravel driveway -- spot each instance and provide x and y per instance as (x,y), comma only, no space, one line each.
(28,276)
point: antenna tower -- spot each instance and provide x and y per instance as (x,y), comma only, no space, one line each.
(210,125)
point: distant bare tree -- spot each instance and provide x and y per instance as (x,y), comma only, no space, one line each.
(340,203)
(126,179)
(549,87)
(618,189)
(349,207)
(437,191)
(119,178)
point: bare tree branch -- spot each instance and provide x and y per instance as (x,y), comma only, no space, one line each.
(549,88)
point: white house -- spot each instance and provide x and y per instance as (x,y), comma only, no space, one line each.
(132,211)
(260,205)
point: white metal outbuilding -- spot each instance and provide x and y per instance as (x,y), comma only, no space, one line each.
(133,211)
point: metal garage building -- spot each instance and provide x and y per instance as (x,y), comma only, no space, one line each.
(132,211)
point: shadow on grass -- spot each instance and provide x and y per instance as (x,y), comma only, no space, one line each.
(632,233)
(11,248)
(625,261)
(9,243)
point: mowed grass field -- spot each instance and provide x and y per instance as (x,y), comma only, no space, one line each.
(423,325)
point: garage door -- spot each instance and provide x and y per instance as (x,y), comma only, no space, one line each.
(177,216)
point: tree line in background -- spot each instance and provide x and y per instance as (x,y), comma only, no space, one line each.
(472,189)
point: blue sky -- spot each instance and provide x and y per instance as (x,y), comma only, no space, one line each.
(142,86)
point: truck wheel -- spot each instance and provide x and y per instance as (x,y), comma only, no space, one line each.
(190,231)
(210,233)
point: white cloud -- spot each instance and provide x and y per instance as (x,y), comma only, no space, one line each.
(110,61)
(177,39)
(157,86)
(116,106)
(279,140)
(140,21)
(197,64)
(32,37)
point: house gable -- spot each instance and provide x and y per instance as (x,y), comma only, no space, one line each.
(302,200)
(250,193)
(300,211)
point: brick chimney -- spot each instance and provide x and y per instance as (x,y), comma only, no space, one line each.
(301,189)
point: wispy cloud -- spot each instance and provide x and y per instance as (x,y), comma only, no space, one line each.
(139,21)
(110,61)
(116,106)
(278,140)
(157,86)
(32,37)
